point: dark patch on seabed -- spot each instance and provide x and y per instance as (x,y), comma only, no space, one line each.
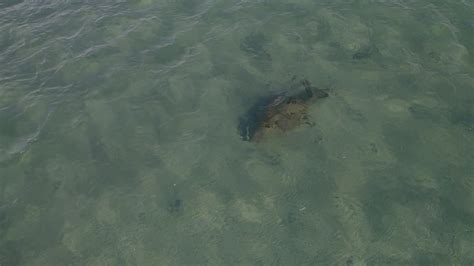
(365,52)
(9,253)
(254,45)
(175,206)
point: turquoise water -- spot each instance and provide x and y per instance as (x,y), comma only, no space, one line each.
(119,141)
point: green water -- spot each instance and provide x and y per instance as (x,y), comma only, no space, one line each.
(119,141)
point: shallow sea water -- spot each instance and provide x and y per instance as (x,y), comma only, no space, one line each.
(119,141)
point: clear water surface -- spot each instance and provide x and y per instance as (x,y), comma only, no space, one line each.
(119,141)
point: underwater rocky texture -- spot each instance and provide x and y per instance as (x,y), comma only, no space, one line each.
(279,112)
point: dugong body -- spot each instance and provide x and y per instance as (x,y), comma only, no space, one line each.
(283,111)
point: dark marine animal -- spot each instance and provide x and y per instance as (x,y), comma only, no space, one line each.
(282,111)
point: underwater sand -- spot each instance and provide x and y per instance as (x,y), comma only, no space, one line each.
(119,141)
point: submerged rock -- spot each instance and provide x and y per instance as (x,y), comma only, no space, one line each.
(283,112)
